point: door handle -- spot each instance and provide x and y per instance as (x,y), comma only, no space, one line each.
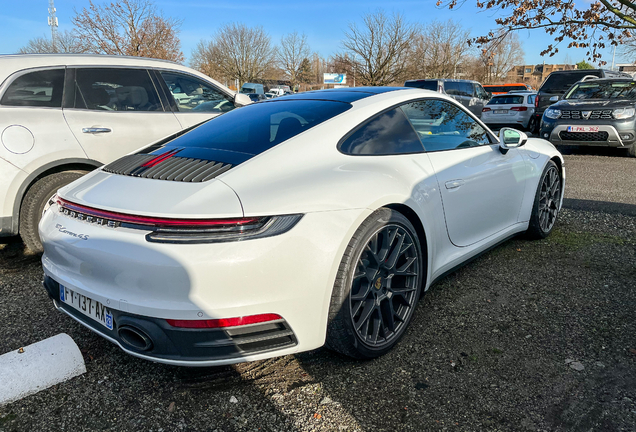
(95,130)
(454,184)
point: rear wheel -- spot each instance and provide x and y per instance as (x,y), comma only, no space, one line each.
(36,201)
(377,287)
(546,203)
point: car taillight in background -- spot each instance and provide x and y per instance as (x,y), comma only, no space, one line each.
(486,110)
(521,108)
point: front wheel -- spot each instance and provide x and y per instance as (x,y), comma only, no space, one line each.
(377,286)
(546,203)
(532,125)
(36,201)
(631,150)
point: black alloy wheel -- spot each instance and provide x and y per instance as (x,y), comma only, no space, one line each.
(547,202)
(377,288)
(384,286)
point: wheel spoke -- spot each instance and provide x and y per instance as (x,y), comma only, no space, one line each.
(392,259)
(369,306)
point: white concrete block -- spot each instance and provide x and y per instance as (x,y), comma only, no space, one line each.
(41,365)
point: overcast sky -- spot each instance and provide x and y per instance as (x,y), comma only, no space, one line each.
(322,21)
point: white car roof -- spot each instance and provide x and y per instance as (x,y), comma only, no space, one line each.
(16,62)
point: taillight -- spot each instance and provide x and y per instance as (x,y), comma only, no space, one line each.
(486,110)
(173,230)
(521,108)
(225,322)
(536,101)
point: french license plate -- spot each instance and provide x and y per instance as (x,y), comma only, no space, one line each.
(86,305)
(582,128)
(501,111)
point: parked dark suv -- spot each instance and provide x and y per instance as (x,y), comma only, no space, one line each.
(597,112)
(559,82)
(469,93)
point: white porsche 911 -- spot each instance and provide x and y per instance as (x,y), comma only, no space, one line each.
(308,219)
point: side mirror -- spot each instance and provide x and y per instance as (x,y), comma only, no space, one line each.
(511,138)
(554,99)
(241,99)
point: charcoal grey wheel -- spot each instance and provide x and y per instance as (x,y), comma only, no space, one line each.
(547,202)
(377,288)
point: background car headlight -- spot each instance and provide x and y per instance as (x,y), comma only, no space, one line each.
(624,113)
(552,113)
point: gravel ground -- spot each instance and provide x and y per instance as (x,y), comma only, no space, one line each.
(532,336)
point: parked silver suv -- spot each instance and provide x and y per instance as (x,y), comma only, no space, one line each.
(469,93)
(64,115)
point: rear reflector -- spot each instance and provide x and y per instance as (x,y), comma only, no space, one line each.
(225,322)
(521,108)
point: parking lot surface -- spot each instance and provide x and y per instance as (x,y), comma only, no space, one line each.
(531,336)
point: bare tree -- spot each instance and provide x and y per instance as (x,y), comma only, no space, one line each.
(499,56)
(291,53)
(441,50)
(594,26)
(379,48)
(66,42)
(206,59)
(239,52)
(128,27)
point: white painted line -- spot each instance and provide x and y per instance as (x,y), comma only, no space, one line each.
(40,366)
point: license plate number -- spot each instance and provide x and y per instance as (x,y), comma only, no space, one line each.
(582,128)
(501,111)
(86,305)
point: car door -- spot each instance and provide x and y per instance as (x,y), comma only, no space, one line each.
(114,111)
(481,188)
(480,99)
(195,100)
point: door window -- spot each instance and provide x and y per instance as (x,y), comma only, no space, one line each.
(194,95)
(36,89)
(458,88)
(442,125)
(387,134)
(481,93)
(114,89)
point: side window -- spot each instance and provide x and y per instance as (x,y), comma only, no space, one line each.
(114,89)
(452,88)
(442,125)
(468,89)
(481,93)
(389,133)
(531,99)
(194,95)
(36,89)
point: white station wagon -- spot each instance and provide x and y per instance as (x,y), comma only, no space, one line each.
(62,116)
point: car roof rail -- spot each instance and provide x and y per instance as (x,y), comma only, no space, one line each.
(588,78)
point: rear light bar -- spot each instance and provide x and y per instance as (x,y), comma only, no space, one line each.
(521,108)
(225,322)
(169,230)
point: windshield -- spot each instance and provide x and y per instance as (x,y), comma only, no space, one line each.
(258,127)
(505,100)
(561,82)
(248,90)
(603,90)
(426,85)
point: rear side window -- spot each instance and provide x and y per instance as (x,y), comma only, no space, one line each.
(458,88)
(505,100)
(531,99)
(114,89)
(561,82)
(389,133)
(36,89)
(425,85)
(442,125)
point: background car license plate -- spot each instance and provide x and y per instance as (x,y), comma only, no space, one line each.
(86,305)
(582,128)
(501,111)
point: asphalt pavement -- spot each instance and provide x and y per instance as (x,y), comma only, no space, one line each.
(531,336)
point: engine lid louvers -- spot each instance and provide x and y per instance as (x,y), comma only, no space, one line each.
(167,166)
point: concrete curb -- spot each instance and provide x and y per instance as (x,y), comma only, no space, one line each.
(39,366)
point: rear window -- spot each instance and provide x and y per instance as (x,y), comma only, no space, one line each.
(36,89)
(561,82)
(505,100)
(603,90)
(425,85)
(256,128)
(504,88)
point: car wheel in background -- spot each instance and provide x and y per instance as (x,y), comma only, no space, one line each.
(377,286)
(546,203)
(37,200)
(631,150)
(532,125)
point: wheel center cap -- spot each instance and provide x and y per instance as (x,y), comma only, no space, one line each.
(378,283)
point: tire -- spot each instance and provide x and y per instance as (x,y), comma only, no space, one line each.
(532,125)
(631,150)
(373,291)
(36,200)
(546,203)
